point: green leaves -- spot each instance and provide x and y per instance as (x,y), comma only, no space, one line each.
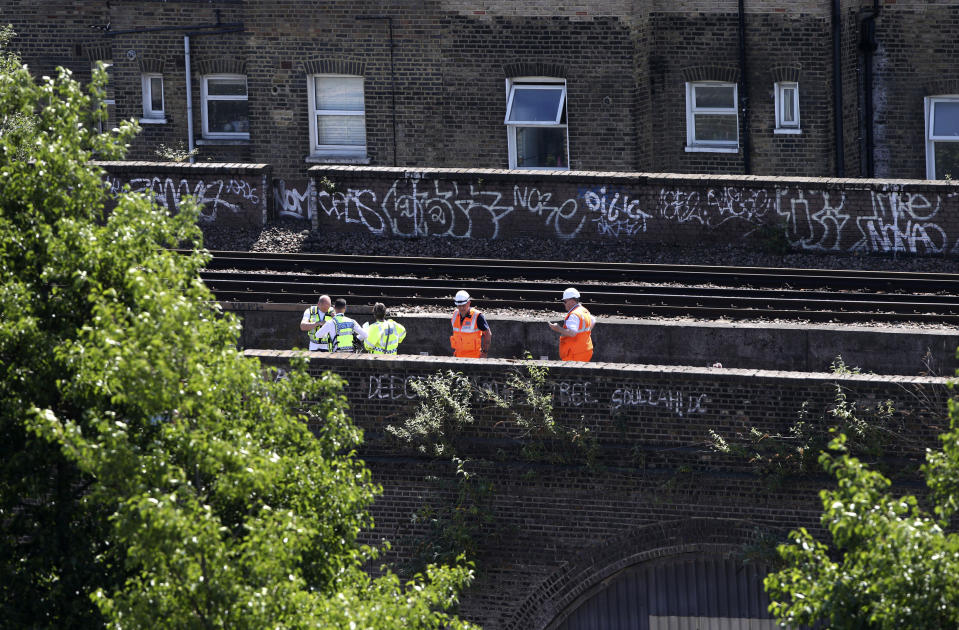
(891,565)
(148,470)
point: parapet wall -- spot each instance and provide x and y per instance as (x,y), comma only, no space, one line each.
(769,346)
(815,214)
(230,194)
(551,530)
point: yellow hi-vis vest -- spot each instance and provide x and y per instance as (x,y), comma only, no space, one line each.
(317,316)
(343,339)
(383,337)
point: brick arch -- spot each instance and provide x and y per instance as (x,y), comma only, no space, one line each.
(335,66)
(150,65)
(710,73)
(942,86)
(785,73)
(574,582)
(222,65)
(534,69)
(99,52)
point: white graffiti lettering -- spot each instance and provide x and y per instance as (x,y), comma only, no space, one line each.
(679,403)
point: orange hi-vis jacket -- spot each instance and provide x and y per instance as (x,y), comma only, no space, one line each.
(467,338)
(579,347)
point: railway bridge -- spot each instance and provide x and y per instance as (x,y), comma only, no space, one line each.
(625,517)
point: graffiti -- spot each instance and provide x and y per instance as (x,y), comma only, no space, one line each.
(438,209)
(813,230)
(352,206)
(572,394)
(213,197)
(677,402)
(290,202)
(615,213)
(392,387)
(538,203)
(902,222)
(717,207)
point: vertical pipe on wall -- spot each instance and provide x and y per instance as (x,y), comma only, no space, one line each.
(868,46)
(189,95)
(744,88)
(837,87)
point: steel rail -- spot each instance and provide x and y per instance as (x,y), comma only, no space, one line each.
(585,271)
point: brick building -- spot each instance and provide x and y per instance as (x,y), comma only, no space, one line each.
(704,86)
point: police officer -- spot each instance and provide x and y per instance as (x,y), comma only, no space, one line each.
(312,321)
(471,332)
(384,334)
(575,335)
(341,329)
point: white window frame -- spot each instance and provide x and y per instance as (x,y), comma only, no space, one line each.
(333,150)
(150,115)
(204,102)
(109,102)
(929,106)
(547,83)
(710,146)
(784,126)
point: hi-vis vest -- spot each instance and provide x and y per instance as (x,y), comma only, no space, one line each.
(384,337)
(579,347)
(343,339)
(466,339)
(317,316)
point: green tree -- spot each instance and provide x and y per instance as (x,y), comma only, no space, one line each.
(149,472)
(891,564)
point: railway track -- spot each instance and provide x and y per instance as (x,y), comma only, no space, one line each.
(609,288)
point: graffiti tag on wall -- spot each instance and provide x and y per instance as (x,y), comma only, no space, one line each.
(215,196)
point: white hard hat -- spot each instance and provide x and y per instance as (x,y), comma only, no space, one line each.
(570,293)
(462,297)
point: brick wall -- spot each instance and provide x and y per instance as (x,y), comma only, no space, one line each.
(229,193)
(434,75)
(841,215)
(656,489)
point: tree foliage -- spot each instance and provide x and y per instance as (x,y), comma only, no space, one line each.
(891,564)
(148,470)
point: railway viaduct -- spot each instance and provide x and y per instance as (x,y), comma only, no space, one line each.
(629,519)
(625,517)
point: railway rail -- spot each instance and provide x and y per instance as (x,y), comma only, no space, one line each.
(628,289)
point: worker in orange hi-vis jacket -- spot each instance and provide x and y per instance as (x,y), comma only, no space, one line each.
(471,336)
(575,335)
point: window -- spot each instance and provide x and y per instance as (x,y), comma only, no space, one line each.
(226,112)
(712,121)
(338,116)
(153,111)
(942,137)
(109,100)
(787,108)
(536,124)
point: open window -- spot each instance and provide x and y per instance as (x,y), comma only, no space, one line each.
(226,112)
(536,124)
(712,120)
(787,107)
(337,116)
(153,106)
(942,137)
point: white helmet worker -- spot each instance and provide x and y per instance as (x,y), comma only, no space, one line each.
(462,297)
(571,294)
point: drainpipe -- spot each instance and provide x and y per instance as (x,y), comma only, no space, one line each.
(389,22)
(837,87)
(868,45)
(189,96)
(744,87)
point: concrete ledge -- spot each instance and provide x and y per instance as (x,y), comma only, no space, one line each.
(756,346)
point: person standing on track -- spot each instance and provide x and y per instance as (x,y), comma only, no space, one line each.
(575,335)
(384,335)
(341,329)
(471,332)
(312,321)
